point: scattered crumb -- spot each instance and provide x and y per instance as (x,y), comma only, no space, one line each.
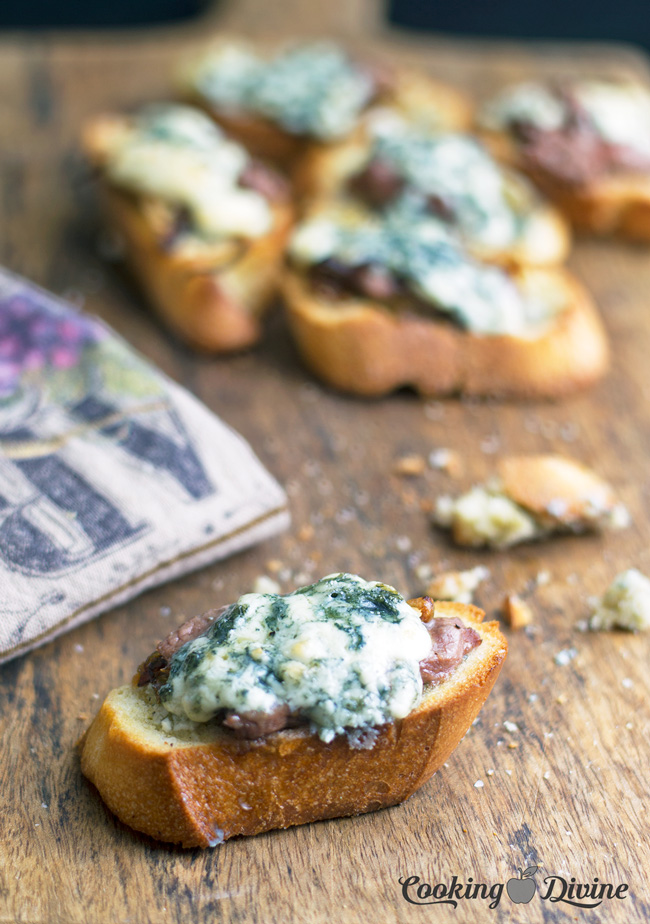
(564,657)
(629,725)
(446,460)
(627,682)
(434,410)
(458,586)
(263,584)
(410,465)
(95,696)
(403,543)
(533,698)
(83,716)
(516,611)
(490,772)
(513,744)
(479,784)
(424,572)
(490,445)
(624,605)
(512,727)
(547,775)
(306,532)
(165,610)
(542,578)
(561,699)
(79,648)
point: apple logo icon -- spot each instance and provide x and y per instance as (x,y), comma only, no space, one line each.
(522,890)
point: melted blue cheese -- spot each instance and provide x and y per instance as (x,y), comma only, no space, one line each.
(459,171)
(528,103)
(619,111)
(312,89)
(424,254)
(177,154)
(343,652)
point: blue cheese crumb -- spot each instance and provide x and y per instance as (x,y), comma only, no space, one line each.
(624,605)
(311,89)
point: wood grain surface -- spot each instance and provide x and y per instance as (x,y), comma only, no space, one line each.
(566,790)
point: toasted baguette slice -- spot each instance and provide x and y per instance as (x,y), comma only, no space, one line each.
(200,792)
(358,346)
(616,205)
(413,94)
(544,239)
(212,296)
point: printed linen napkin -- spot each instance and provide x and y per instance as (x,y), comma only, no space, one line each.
(112,477)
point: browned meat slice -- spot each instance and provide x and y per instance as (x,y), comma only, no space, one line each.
(257,724)
(156,668)
(265,181)
(451,641)
(191,629)
(378,183)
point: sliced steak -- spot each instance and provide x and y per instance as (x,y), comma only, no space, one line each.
(190,630)
(451,641)
(265,181)
(378,183)
(257,724)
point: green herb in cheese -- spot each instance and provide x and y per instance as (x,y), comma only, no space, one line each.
(177,154)
(423,253)
(312,89)
(343,652)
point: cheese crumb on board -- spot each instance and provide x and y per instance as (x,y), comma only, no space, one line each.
(624,605)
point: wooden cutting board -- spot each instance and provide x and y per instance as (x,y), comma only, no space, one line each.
(563,788)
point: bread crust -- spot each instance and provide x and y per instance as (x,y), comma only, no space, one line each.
(617,205)
(324,173)
(413,95)
(557,490)
(212,304)
(201,793)
(358,346)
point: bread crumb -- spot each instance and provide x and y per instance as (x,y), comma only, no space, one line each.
(627,683)
(512,727)
(83,717)
(274,565)
(263,584)
(561,699)
(490,772)
(306,532)
(516,611)
(490,445)
(79,648)
(542,578)
(410,466)
(457,586)
(564,657)
(446,460)
(479,784)
(513,744)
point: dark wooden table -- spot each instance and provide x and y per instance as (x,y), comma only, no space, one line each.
(566,790)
